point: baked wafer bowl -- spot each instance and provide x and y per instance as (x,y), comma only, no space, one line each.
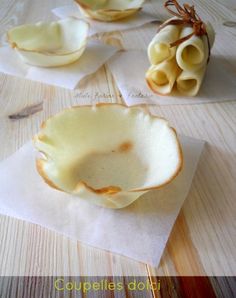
(109,10)
(50,44)
(107,154)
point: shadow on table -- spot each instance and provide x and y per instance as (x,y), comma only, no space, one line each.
(216,89)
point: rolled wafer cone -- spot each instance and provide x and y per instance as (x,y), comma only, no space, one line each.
(193,53)
(161,78)
(189,81)
(159,48)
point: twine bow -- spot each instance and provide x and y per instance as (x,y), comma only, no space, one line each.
(186,15)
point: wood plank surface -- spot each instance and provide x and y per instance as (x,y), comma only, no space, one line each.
(202,242)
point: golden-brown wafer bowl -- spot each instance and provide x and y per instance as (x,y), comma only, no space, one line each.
(107,154)
(109,10)
(50,44)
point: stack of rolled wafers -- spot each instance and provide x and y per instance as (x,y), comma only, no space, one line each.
(179,52)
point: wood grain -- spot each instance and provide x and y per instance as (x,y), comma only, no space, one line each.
(211,202)
(203,239)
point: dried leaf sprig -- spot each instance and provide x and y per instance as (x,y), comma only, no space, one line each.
(27,111)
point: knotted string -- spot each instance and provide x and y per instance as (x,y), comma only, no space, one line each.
(186,15)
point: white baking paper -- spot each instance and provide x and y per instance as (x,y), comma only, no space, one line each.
(95,55)
(139,231)
(129,68)
(139,19)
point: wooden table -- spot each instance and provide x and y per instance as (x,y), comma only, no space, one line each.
(202,242)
